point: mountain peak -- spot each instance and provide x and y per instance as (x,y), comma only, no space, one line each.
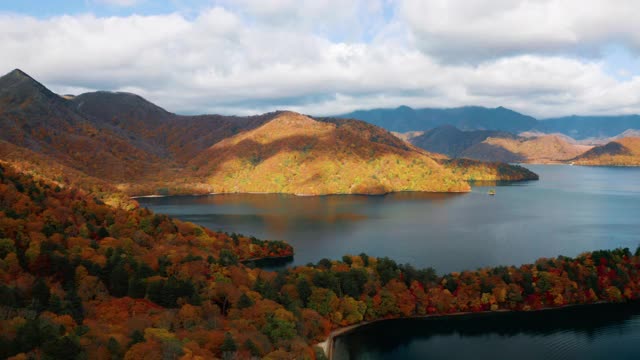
(18,73)
(19,86)
(404,108)
(15,77)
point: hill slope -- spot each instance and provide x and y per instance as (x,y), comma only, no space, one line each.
(487,145)
(173,136)
(35,118)
(451,141)
(622,152)
(294,153)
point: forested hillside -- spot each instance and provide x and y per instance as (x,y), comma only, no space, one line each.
(119,143)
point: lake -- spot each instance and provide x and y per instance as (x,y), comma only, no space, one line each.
(571,209)
(589,332)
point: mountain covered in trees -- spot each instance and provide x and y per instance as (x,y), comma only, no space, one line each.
(82,279)
(621,152)
(106,141)
(404,119)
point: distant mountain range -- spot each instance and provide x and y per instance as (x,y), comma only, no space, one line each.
(405,119)
(105,141)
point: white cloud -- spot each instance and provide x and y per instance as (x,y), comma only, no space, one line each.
(470,31)
(238,59)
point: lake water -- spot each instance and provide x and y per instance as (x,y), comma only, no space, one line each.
(591,332)
(571,209)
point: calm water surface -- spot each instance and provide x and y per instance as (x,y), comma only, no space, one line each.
(570,210)
(593,332)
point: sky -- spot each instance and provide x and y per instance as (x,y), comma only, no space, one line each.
(545,58)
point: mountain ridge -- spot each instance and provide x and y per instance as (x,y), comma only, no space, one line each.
(139,148)
(405,119)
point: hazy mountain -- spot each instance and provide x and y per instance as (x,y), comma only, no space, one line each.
(622,152)
(404,118)
(582,127)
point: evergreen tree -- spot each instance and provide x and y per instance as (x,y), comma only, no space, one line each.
(229,345)
(253,349)
(244,302)
(304,290)
(119,280)
(40,294)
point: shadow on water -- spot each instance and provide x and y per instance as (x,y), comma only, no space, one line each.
(393,338)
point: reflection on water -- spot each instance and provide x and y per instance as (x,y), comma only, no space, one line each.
(589,332)
(570,210)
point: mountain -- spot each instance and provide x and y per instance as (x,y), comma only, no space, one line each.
(539,149)
(34,118)
(451,141)
(622,152)
(293,153)
(404,118)
(583,127)
(501,146)
(174,136)
(111,143)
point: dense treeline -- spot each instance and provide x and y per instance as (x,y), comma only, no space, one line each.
(80,279)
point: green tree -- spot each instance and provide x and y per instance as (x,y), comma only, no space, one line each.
(387,269)
(279,329)
(304,290)
(229,345)
(244,302)
(114,348)
(119,280)
(253,349)
(322,300)
(40,294)
(227,258)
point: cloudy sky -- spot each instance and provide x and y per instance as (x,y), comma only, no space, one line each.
(542,57)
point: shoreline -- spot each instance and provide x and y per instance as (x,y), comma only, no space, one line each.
(311,195)
(329,344)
